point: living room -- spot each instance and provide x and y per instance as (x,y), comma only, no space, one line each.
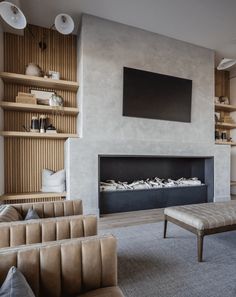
(117,127)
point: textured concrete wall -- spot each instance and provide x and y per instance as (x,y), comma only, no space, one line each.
(106,48)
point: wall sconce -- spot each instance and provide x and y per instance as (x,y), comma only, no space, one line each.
(226,63)
(12,15)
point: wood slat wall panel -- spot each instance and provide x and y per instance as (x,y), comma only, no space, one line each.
(14,120)
(25,157)
(60,54)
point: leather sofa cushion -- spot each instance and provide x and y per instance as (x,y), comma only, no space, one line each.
(104,292)
(15,285)
(31,215)
(8,213)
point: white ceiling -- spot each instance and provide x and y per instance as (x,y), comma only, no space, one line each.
(208,23)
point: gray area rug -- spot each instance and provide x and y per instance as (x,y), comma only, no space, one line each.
(152,266)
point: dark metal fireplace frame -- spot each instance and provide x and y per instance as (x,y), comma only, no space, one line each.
(132,200)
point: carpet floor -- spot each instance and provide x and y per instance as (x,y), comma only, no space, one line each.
(149,265)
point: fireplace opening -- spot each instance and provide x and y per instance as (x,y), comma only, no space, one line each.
(129,183)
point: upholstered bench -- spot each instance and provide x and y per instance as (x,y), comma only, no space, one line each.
(203,219)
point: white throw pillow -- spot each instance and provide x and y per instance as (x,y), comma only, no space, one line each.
(53,181)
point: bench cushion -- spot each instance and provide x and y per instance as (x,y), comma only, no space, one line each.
(206,215)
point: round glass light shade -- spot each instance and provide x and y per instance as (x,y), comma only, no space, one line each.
(64,23)
(226,63)
(12,15)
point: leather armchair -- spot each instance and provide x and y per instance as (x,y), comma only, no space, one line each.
(85,267)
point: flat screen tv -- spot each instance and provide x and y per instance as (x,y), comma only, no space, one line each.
(156,96)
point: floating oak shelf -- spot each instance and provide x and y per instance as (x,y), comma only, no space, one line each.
(15,196)
(225,107)
(226,143)
(29,80)
(226,126)
(36,108)
(37,135)
(233,183)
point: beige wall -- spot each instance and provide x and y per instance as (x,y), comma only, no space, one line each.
(1,117)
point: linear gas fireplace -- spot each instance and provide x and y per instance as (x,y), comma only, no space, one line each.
(129,183)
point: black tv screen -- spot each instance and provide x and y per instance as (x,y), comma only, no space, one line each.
(156,96)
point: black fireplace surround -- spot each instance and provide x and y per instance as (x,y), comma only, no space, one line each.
(131,168)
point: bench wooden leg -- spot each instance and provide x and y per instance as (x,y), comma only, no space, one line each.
(165,227)
(200,238)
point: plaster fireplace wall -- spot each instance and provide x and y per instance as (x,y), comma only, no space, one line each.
(105,47)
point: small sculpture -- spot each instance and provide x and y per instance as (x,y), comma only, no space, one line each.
(56,100)
(34,70)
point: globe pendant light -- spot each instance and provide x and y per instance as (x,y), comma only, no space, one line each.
(64,23)
(12,15)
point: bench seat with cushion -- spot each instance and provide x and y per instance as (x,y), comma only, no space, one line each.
(203,219)
(43,230)
(85,267)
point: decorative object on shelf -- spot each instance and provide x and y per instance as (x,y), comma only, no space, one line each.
(64,24)
(12,15)
(53,74)
(26,98)
(51,129)
(224,100)
(53,181)
(43,97)
(56,100)
(224,135)
(33,69)
(42,123)
(228,119)
(217,117)
(217,134)
(217,100)
(34,125)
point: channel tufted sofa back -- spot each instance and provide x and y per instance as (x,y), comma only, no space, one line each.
(76,267)
(52,209)
(43,230)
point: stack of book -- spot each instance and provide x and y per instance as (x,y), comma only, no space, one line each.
(26,98)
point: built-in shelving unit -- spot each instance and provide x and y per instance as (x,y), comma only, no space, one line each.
(28,80)
(6,105)
(26,154)
(37,135)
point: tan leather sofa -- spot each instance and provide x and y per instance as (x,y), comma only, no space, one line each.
(52,209)
(77,267)
(43,230)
